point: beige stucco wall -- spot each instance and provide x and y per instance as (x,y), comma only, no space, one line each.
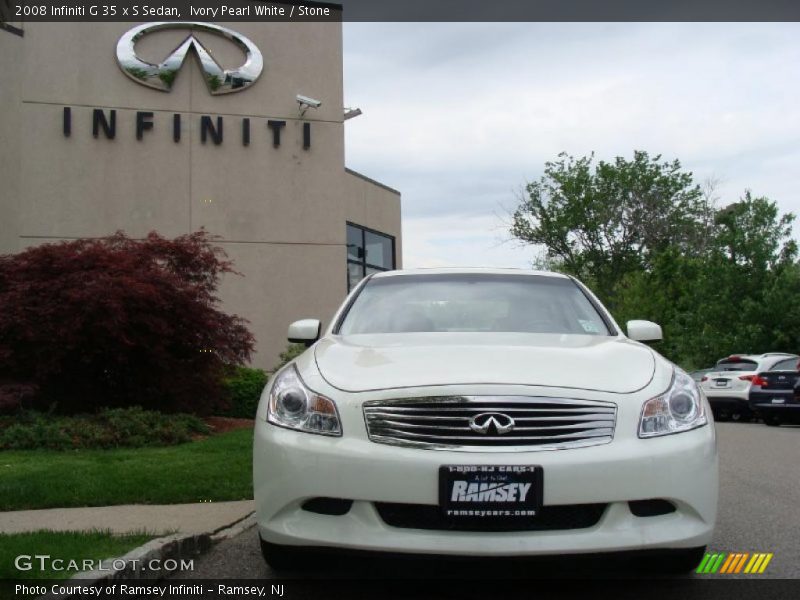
(11,50)
(280,212)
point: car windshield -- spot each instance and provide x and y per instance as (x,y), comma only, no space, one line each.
(472,303)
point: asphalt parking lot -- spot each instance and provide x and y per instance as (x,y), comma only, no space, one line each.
(759,511)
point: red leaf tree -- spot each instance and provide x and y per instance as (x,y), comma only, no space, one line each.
(119,322)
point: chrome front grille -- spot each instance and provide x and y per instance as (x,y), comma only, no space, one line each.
(490,422)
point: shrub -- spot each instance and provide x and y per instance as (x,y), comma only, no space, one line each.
(13,396)
(292,351)
(110,428)
(119,322)
(244,385)
(243,390)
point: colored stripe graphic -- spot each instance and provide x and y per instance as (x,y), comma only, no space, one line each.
(759,563)
(740,564)
(711,562)
(754,563)
(764,564)
(734,558)
(728,564)
(701,568)
(734,562)
(718,563)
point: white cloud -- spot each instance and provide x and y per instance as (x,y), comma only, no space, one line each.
(459,116)
(479,241)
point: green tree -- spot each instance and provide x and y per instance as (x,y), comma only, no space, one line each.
(603,221)
(652,244)
(753,235)
(741,295)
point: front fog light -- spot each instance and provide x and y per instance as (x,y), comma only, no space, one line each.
(293,405)
(680,408)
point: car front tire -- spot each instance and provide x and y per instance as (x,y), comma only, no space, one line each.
(772,421)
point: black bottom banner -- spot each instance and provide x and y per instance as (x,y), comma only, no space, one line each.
(480,588)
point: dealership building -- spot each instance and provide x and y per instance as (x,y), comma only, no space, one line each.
(237,128)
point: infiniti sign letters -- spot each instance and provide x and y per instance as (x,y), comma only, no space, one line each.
(162,76)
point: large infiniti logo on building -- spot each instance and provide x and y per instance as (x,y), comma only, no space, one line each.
(484,422)
(161,76)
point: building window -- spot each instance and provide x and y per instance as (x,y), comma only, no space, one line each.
(368,252)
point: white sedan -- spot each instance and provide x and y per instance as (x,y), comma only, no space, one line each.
(482,412)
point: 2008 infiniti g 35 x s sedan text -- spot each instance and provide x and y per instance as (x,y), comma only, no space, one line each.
(485,413)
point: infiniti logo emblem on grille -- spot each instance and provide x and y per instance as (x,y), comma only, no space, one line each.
(484,422)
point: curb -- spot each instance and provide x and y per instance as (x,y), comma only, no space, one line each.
(135,564)
(234,529)
(172,547)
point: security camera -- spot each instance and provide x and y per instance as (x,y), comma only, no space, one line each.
(305,102)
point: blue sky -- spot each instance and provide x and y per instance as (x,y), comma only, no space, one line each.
(459,116)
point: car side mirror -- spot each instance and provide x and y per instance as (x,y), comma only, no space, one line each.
(305,331)
(645,331)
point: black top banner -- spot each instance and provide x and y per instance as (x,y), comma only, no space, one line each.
(19,11)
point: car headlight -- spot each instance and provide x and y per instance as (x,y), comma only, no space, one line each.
(678,409)
(293,405)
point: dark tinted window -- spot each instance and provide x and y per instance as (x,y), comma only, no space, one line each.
(355,243)
(737,364)
(368,252)
(790,364)
(379,249)
(473,303)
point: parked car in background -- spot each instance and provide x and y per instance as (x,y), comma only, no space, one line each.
(482,412)
(699,374)
(727,387)
(773,393)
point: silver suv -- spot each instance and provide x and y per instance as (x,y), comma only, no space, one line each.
(727,385)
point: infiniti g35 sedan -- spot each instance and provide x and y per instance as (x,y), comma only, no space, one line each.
(482,412)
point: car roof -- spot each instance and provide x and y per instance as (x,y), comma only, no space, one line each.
(468,271)
(758,357)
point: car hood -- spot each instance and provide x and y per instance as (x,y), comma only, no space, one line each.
(358,363)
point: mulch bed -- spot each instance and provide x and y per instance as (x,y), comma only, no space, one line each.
(225,424)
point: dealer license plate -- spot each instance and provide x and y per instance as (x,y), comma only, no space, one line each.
(490,491)
(778,400)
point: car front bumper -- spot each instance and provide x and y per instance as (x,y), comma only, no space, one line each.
(291,468)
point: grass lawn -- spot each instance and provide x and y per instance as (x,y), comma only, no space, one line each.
(66,545)
(216,468)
